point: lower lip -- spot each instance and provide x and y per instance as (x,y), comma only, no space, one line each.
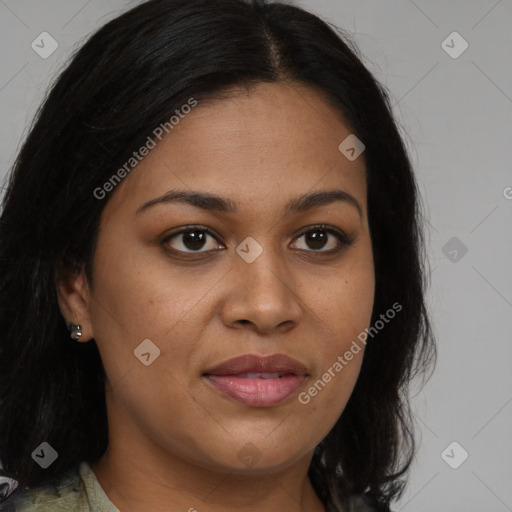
(256,392)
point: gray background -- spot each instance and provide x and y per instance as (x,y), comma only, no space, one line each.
(455,114)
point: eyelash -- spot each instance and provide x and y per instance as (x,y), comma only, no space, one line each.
(344,240)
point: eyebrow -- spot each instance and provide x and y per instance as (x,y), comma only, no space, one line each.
(211,202)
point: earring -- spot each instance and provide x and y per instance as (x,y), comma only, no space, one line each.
(75,331)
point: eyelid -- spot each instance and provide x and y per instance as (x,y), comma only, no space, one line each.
(186,229)
(344,239)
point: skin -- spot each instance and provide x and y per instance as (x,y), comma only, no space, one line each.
(171,434)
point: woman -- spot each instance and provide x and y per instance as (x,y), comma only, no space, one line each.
(213,279)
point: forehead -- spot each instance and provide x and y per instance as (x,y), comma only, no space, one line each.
(275,142)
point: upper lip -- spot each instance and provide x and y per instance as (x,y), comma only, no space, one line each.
(252,363)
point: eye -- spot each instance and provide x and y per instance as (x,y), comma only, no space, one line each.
(317,237)
(192,240)
(195,238)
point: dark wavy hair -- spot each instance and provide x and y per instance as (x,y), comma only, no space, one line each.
(127,79)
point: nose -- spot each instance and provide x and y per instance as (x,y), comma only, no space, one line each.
(262,295)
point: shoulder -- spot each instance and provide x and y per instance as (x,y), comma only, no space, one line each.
(63,495)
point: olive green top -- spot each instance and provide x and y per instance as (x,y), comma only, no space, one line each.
(74,493)
(78,490)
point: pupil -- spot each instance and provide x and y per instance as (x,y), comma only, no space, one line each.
(194,239)
(316,241)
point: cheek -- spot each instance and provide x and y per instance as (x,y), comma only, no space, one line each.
(342,311)
(343,303)
(133,301)
(136,296)
(147,312)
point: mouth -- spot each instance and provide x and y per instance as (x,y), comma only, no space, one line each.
(257,381)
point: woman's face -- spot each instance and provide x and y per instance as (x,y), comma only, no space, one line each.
(253,284)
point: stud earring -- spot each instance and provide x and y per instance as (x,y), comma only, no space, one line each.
(75,331)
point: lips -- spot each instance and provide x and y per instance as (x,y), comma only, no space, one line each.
(249,363)
(257,381)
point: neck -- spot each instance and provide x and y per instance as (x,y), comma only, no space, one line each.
(151,479)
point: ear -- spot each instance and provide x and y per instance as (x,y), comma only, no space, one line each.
(73,295)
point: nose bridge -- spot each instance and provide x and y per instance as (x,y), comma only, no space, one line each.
(265,275)
(263,291)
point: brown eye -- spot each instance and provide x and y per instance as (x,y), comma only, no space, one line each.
(191,240)
(317,238)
